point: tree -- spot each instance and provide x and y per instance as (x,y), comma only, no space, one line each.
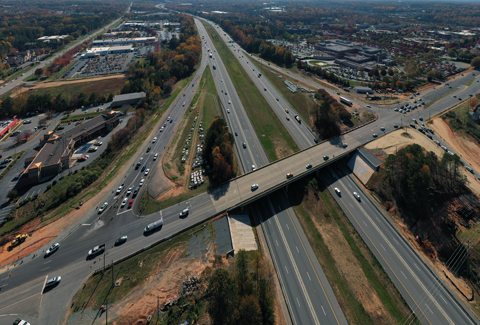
(248,311)
(39,72)
(266,302)
(476,62)
(220,296)
(452,53)
(12,194)
(244,283)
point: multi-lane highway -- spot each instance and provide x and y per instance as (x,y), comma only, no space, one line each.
(307,292)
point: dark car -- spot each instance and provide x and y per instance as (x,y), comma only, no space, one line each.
(149,148)
(135,192)
(120,240)
(143,168)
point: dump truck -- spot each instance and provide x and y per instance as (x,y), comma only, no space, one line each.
(96,250)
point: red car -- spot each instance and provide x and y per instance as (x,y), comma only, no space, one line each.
(82,158)
(130,203)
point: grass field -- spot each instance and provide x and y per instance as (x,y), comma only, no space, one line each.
(302,102)
(329,232)
(102,87)
(271,132)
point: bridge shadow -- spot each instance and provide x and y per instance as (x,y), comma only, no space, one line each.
(218,192)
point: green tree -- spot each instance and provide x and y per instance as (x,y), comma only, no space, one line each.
(476,62)
(244,282)
(39,72)
(265,300)
(452,53)
(326,121)
(221,294)
(248,311)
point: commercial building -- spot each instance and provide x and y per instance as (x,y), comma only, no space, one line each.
(363,90)
(122,41)
(57,149)
(102,51)
(127,99)
(7,126)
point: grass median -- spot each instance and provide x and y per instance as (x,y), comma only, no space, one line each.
(276,140)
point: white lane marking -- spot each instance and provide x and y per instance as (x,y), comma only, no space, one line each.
(287,227)
(324,311)
(429,308)
(298,302)
(365,223)
(86,224)
(403,274)
(19,301)
(416,266)
(25,291)
(276,242)
(297,249)
(443,299)
(44,269)
(309,276)
(383,247)
(286,269)
(47,262)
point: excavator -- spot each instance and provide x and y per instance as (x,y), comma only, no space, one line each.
(18,240)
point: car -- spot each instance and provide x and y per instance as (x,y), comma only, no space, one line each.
(288,118)
(289,175)
(228,110)
(120,188)
(154,140)
(338,191)
(265,89)
(183,95)
(27,122)
(229,102)
(395,126)
(459,98)
(355,194)
(147,171)
(344,145)
(135,192)
(129,191)
(171,120)
(420,118)
(254,187)
(52,249)
(225,93)
(155,156)
(369,106)
(141,182)
(82,158)
(308,166)
(326,157)
(53,281)
(20,321)
(144,167)
(120,240)
(103,207)
(382,128)
(253,167)
(236,134)
(184,213)
(149,148)
(396,109)
(124,202)
(244,145)
(98,143)
(130,203)
(278,100)
(375,135)
(183,103)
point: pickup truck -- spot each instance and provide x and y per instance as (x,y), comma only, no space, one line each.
(96,250)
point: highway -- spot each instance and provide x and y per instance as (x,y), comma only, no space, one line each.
(70,261)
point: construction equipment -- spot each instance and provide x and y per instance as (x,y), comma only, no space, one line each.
(18,240)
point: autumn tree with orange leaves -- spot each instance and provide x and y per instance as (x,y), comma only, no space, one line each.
(219,151)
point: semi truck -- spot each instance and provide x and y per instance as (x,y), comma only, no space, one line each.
(96,250)
(346,101)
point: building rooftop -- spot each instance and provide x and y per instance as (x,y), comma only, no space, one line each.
(123,97)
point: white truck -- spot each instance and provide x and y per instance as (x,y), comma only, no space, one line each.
(96,250)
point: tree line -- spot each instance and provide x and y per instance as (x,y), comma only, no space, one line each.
(328,115)
(219,151)
(243,296)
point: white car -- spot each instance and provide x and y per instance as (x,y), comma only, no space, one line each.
(355,194)
(229,102)
(103,207)
(155,156)
(124,202)
(53,281)
(184,213)
(147,171)
(338,191)
(141,182)
(253,167)
(19,321)
(52,249)
(120,188)
(228,111)
(344,145)
(254,187)
(154,140)
(129,191)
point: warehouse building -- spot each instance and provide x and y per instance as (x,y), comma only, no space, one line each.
(363,90)
(122,41)
(102,51)
(127,99)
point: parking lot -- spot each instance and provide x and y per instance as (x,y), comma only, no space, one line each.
(110,63)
